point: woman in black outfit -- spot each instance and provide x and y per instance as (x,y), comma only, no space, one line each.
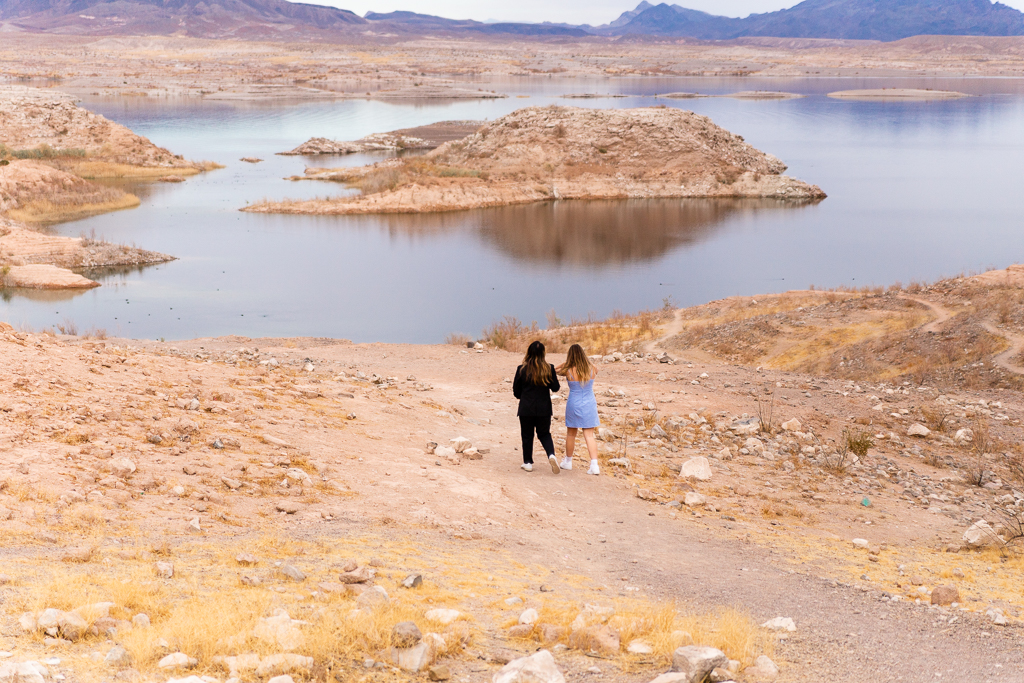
(534,381)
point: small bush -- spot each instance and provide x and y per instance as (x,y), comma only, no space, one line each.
(858,443)
(380,180)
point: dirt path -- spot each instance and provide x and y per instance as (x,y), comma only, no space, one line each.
(1016,346)
(674,327)
(941,314)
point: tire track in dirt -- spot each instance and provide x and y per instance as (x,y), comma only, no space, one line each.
(1002,360)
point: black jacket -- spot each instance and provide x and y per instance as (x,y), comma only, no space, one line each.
(534,399)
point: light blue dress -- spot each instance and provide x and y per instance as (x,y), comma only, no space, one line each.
(581,408)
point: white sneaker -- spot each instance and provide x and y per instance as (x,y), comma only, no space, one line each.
(594,469)
(566,463)
(528,466)
(554,464)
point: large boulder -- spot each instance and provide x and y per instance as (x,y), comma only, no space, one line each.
(979,535)
(697,661)
(945,595)
(537,668)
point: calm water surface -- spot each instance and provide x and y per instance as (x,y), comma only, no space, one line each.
(917,191)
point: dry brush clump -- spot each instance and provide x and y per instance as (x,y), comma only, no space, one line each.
(619,332)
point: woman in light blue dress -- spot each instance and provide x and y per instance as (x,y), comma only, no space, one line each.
(581,408)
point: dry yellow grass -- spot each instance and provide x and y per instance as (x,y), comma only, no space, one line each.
(95,170)
(45,211)
(206,612)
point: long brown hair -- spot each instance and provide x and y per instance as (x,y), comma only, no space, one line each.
(536,370)
(576,361)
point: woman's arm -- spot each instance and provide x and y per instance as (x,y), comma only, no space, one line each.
(517,384)
(554,385)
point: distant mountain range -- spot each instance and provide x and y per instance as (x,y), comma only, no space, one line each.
(847,19)
(843,19)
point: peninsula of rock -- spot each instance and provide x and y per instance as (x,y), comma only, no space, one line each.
(546,153)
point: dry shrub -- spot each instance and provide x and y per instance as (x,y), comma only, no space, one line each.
(379,180)
(858,442)
(935,418)
(457,339)
(975,466)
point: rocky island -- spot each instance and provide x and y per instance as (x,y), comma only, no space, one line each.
(546,153)
(51,151)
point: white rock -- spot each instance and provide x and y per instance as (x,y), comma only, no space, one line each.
(693,499)
(23,672)
(277,665)
(164,570)
(861,543)
(280,631)
(177,660)
(537,668)
(697,661)
(639,647)
(672,677)
(461,444)
(979,534)
(529,616)
(187,679)
(122,467)
(792,425)
(764,669)
(444,452)
(443,616)
(918,429)
(780,624)
(592,615)
(965,435)
(696,468)
(286,678)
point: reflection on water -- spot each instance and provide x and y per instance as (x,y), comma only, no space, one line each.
(598,233)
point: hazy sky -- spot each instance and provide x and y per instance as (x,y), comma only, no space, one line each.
(592,12)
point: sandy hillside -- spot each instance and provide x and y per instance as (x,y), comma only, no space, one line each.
(544,153)
(215,486)
(31,118)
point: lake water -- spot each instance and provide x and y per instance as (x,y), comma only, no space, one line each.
(917,191)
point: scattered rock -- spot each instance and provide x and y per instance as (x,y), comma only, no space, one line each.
(979,535)
(420,656)
(601,639)
(292,572)
(177,660)
(445,616)
(358,575)
(117,656)
(792,425)
(764,669)
(537,668)
(919,430)
(289,507)
(592,615)
(528,616)
(697,662)
(141,621)
(780,624)
(439,672)
(694,499)
(281,631)
(23,672)
(696,468)
(945,595)
(279,664)
(639,647)
(406,634)
(164,570)
(246,559)
(412,581)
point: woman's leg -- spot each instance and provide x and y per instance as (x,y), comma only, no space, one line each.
(544,435)
(588,436)
(526,431)
(570,441)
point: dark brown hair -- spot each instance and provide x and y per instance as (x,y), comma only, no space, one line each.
(536,370)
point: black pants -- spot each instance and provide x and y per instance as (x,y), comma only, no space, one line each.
(542,425)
